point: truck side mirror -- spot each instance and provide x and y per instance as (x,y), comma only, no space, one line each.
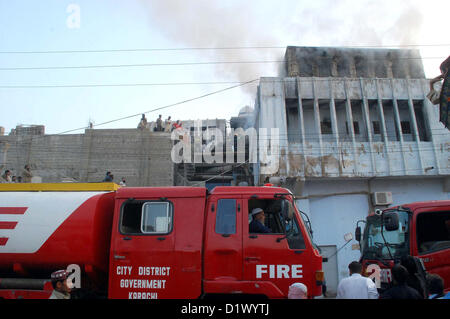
(358,234)
(390,221)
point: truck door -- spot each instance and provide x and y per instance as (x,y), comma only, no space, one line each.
(141,258)
(272,259)
(432,240)
(223,239)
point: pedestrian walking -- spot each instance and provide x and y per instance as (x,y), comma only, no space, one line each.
(356,286)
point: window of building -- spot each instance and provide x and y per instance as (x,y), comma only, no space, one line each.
(422,125)
(390,120)
(405,116)
(325,127)
(406,128)
(292,118)
(325,114)
(355,128)
(376,127)
(226,216)
(433,231)
(309,120)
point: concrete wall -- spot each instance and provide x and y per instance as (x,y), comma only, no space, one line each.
(141,156)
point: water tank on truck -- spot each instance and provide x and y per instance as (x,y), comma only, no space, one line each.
(47,227)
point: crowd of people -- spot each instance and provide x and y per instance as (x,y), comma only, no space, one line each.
(25,177)
(8,177)
(408,283)
(161,126)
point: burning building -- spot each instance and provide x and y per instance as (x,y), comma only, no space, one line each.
(355,132)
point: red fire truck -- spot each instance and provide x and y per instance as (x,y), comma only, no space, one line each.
(153,242)
(420,229)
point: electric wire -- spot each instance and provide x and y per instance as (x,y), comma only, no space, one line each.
(309,79)
(184,64)
(155,109)
(239,83)
(123,150)
(213,48)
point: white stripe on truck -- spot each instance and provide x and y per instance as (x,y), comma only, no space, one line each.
(45,212)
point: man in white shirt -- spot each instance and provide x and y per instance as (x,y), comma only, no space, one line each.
(356,286)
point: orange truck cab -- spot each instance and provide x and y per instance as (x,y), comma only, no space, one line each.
(157,242)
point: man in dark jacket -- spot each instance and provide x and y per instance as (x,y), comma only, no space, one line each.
(414,280)
(400,290)
(257,224)
(108,178)
(436,287)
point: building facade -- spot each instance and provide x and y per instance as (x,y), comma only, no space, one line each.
(226,166)
(352,123)
(140,156)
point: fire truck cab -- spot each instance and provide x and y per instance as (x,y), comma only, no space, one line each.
(201,244)
(420,229)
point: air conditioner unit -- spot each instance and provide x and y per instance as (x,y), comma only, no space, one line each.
(381,198)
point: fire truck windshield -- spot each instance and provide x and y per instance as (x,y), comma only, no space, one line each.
(395,243)
(307,223)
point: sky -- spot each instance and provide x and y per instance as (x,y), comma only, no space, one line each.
(65,63)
